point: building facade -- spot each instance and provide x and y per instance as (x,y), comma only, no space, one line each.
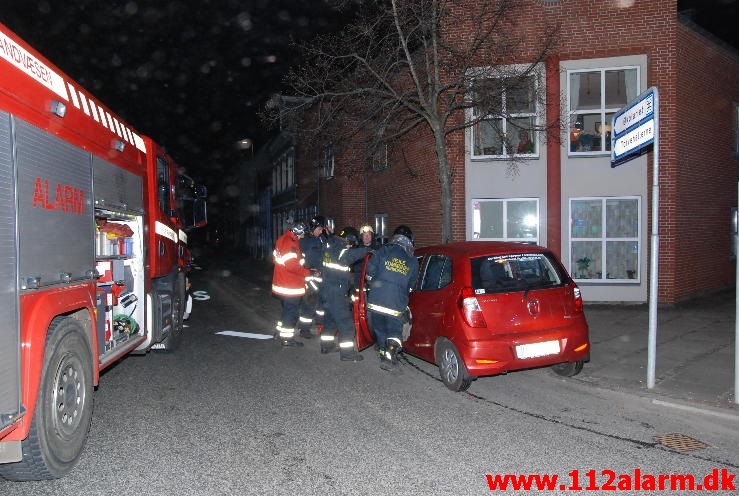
(558,188)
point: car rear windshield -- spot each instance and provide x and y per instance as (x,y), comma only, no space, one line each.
(520,272)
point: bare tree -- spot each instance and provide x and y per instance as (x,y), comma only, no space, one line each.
(403,65)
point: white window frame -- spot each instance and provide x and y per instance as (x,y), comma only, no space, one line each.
(381,222)
(328,162)
(604,239)
(605,112)
(505,201)
(535,115)
(379,158)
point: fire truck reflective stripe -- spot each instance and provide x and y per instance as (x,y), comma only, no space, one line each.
(73,95)
(183,236)
(282,260)
(385,310)
(117,127)
(327,337)
(288,291)
(91,109)
(335,266)
(165,231)
(346,344)
(32,66)
(85,106)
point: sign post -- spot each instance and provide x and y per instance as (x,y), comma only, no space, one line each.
(635,127)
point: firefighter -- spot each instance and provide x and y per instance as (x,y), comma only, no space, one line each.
(367,238)
(288,281)
(312,245)
(391,273)
(340,253)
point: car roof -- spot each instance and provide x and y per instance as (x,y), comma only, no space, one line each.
(481,248)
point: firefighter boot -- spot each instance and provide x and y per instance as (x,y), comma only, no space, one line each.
(389,356)
(328,343)
(348,353)
(305,334)
(291,343)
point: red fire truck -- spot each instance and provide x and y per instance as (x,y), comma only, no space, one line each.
(93,256)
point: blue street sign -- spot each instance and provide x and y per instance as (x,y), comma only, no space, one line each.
(634,128)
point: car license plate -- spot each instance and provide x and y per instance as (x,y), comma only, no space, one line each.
(537,349)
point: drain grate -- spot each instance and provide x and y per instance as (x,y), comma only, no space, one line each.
(680,442)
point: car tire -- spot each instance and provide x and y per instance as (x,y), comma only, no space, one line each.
(568,369)
(452,369)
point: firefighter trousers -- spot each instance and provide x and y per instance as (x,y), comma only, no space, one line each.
(337,315)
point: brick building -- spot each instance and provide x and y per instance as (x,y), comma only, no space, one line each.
(563,192)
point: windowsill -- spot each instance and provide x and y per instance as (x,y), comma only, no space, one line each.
(598,153)
(502,158)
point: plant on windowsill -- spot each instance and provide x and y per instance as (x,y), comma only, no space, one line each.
(583,265)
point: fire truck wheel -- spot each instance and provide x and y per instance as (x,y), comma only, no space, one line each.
(173,339)
(63,409)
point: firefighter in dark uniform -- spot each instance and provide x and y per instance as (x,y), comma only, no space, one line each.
(391,273)
(340,253)
(312,246)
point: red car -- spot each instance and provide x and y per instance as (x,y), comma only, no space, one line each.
(486,308)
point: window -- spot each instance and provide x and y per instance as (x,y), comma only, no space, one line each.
(594,96)
(283,171)
(379,158)
(514,272)
(736,129)
(163,186)
(508,130)
(381,228)
(604,239)
(515,219)
(327,162)
(437,273)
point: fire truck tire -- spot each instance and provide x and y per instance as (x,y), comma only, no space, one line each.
(173,339)
(63,412)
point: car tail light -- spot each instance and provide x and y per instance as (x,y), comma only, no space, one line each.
(578,298)
(470,308)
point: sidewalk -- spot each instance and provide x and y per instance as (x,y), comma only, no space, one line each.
(694,355)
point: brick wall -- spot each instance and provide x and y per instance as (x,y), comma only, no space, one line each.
(697,82)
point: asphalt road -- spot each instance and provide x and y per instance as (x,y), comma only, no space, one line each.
(238,415)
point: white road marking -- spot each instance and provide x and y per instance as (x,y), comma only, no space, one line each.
(249,335)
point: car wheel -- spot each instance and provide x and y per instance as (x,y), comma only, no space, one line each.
(568,369)
(453,372)
(63,412)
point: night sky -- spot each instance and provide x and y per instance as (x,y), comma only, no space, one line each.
(193,74)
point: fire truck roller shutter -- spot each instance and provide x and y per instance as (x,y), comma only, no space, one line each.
(9,329)
(63,412)
(56,224)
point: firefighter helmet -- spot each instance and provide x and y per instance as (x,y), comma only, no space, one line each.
(299,228)
(349,235)
(366,228)
(405,231)
(317,221)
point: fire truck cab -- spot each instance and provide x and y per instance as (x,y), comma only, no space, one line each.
(93,256)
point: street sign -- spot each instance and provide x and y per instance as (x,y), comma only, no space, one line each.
(634,128)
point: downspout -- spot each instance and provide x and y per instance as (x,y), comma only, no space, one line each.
(554,157)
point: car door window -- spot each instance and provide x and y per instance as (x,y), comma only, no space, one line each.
(437,272)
